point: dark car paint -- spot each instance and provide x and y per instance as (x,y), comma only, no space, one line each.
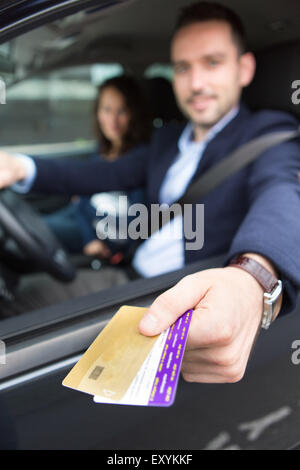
(261,412)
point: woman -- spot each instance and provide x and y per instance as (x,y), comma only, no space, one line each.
(121,124)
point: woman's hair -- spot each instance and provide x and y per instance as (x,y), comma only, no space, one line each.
(139,129)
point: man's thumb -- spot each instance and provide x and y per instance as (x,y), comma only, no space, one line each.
(168,307)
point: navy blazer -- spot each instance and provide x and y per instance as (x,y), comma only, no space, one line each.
(255,210)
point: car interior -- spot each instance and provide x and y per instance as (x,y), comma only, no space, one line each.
(56,69)
(52,73)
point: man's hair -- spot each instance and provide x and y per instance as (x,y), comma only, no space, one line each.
(205,11)
(139,130)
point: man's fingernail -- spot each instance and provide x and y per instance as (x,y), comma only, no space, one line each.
(149,324)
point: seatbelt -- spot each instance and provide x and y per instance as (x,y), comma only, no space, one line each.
(238,159)
(214,176)
(221,171)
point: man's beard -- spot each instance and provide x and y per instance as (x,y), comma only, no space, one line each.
(206,123)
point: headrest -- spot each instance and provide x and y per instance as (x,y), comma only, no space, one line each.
(278,71)
(162,100)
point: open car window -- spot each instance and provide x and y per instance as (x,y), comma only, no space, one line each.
(52,73)
(48,112)
(51,86)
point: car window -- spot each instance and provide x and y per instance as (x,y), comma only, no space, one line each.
(48,111)
(51,75)
(160,70)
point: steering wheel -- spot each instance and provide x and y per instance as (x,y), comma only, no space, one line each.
(25,226)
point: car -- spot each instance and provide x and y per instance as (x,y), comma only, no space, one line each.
(51,55)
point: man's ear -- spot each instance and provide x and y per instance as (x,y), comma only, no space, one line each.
(247,68)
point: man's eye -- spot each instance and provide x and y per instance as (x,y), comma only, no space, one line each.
(213,63)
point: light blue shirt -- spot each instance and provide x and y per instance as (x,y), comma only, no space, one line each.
(164,251)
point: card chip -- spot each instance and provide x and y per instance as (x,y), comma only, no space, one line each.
(96,373)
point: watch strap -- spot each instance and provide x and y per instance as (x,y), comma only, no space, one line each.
(264,277)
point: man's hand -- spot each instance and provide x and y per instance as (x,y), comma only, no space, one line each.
(227,305)
(12,169)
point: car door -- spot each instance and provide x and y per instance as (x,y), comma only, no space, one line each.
(260,412)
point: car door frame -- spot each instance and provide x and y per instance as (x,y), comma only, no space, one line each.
(20,16)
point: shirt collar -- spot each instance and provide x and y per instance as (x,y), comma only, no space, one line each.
(186,138)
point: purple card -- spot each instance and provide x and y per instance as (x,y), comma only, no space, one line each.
(166,380)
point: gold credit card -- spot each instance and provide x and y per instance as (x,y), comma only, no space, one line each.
(112,361)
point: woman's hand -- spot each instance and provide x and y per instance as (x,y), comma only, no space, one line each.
(97,248)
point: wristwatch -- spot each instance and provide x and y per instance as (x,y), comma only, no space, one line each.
(272,287)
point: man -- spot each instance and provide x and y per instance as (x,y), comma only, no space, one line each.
(255,213)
